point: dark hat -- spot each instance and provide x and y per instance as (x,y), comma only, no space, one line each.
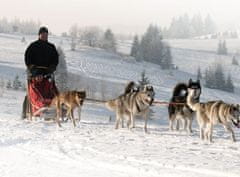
(43,30)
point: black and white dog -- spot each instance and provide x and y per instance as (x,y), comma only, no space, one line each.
(182,112)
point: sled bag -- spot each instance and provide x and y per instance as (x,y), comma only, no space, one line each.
(41,93)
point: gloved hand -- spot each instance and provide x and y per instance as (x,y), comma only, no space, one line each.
(52,68)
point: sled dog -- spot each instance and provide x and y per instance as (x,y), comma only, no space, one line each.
(182,112)
(212,113)
(131,104)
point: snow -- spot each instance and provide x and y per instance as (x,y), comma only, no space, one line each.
(95,148)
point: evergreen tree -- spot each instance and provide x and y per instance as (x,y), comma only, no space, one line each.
(199,74)
(16,83)
(109,41)
(23,86)
(229,84)
(2,86)
(209,25)
(9,84)
(23,40)
(219,77)
(219,49)
(167,59)
(135,47)
(143,81)
(209,78)
(197,25)
(234,61)
(153,49)
(73,44)
(224,48)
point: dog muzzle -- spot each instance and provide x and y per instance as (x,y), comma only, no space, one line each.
(237,124)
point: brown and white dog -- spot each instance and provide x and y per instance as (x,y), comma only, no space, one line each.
(69,100)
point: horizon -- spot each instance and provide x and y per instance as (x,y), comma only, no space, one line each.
(123,17)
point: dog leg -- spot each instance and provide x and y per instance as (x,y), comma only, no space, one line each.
(117,120)
(208,132)
(177,124)
(201,125)
(184,123)
(171,122)
(146,120)
(230,130)
(79,113)
(128,122)
(189,125)
(73,119)
(58,107)
(201,131)
(132,121)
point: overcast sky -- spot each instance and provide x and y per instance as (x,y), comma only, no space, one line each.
(121,15)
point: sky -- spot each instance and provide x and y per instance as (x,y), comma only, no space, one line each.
(122,16)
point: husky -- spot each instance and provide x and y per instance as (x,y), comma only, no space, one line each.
(131,104)
(69,100)
(182,112)
(212,113)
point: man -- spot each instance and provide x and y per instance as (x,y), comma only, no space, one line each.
(41,59)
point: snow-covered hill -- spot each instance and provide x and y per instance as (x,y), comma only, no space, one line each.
(94,148)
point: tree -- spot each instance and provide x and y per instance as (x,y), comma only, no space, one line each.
(73,45)
(199,74)
(209,78)
(16,83)
(209,25)
(2,86)
(135,47)
(222,48)
(167,59)
(91,36)
(73,32)
(234,61)
(143,81)
(109,41)
(229,84)
(219,77)
(61,75)
(23,40)
(9,84)
(219,49)
(215,78)
(153,49)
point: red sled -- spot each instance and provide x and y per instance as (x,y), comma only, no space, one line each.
(39,94)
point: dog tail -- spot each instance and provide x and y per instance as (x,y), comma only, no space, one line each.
(111,105)
(180,90)
(129,87)
(179,96)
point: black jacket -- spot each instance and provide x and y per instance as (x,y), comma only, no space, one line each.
(41,57)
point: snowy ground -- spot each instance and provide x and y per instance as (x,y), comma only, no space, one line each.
(94,148)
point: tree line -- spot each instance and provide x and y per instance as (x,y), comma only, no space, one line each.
(151,48)
(19,26)
(186,27)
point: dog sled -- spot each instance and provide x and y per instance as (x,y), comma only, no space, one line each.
(40,92)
